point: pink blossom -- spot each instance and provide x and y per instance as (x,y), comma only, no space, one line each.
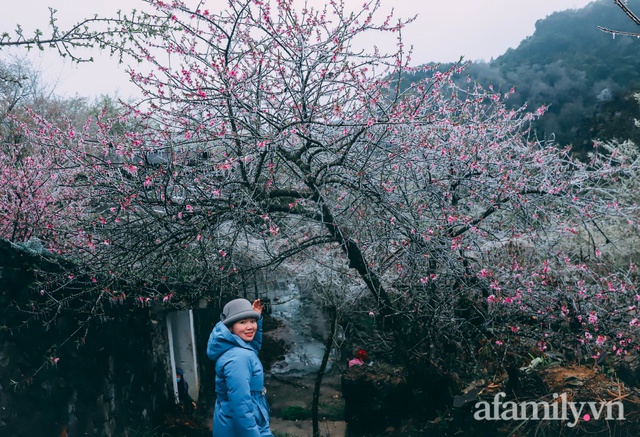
(355,362)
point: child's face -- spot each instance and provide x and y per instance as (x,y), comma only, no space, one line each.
(245,329)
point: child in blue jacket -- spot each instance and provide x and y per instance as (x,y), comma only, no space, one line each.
(241,406)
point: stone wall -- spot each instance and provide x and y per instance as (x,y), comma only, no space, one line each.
(112,380)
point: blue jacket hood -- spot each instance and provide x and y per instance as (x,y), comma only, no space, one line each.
(221,340)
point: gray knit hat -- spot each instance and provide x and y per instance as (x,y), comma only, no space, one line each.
(238,309)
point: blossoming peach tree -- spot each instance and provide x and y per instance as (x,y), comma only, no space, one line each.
(267,134)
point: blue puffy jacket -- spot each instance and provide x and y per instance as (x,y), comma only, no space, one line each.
(241,407)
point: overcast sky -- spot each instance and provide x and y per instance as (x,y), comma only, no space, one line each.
(443,31)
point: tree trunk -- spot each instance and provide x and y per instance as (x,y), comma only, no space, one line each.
(325,358)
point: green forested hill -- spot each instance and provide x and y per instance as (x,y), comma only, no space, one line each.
(586,76)
(572,36)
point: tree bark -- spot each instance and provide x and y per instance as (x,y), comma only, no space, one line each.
(323,366)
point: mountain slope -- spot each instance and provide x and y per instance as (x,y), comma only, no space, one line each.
(586,76)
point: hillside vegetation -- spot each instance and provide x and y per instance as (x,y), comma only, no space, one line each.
(585,76)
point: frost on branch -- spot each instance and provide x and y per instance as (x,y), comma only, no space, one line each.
(632,16)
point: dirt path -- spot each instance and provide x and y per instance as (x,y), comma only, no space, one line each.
(303,428)
(290,401)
